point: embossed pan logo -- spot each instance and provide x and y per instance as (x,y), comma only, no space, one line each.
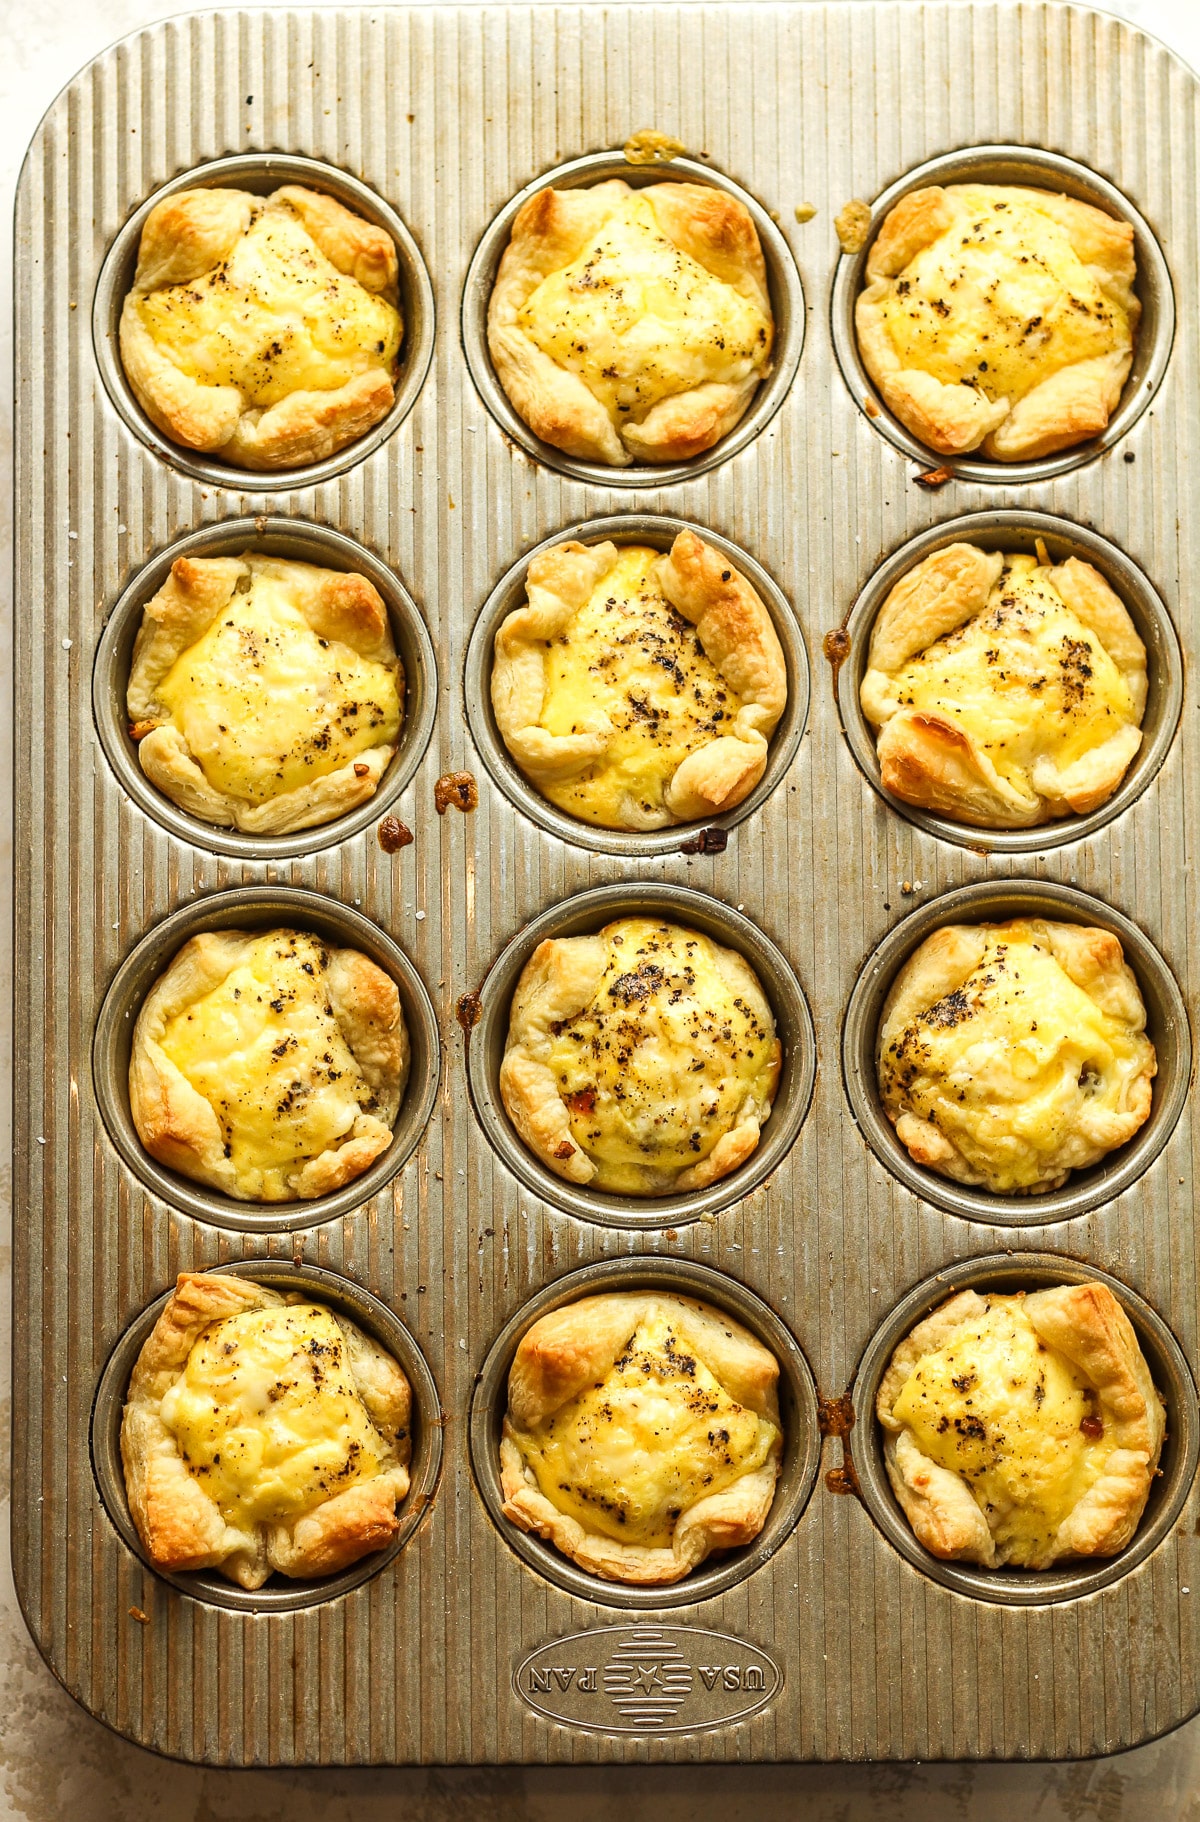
(644,1679)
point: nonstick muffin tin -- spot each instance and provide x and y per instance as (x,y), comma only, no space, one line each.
(832,1637)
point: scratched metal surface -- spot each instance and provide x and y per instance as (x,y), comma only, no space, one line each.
(447,112)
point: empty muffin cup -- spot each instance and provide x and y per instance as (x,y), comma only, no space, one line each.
(798,1413)
(261,173)
(295,541)
(587,913)
(373,1316)
(1166,1026)
(261,908)
(659,532)
(783,284)
(1008,531)
(1027,167)
(1005,1273)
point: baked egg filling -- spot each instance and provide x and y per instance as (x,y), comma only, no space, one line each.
(663,1060)
(267,1415)
(1000,300)
(264,1049)
(1016,1419)
(266,705)
(632,656)
(275,318)
(640,1447)
(640,320)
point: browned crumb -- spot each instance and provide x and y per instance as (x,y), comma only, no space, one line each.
(708,841)
(934,477)
(853,224)
(394,835)
(143,1619)
(457,788)
(649,146)
(871,408)
(805,211)
(139,729)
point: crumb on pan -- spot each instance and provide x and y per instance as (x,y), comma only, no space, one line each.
(805,211)
(853,223)
(394,835)
(457,788)
(934,477)
(649,146)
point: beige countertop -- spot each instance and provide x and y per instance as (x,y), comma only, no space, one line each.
(56,1762)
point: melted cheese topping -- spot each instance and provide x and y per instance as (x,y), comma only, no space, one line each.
(663,1061)
(267,1415)
(276,317)
(659,1432)
(265,1051)
(1025,679)
(1006,1065)
(640,320)
(629,654)
(1016,1419)
(1000,301)
(266,706)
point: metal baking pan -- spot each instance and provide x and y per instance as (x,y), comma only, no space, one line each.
(833,1637)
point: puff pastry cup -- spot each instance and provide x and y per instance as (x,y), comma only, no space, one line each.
(636,690)
(1012,1054)
(642,1433)
(265,695)
(641,1060)
(1022,1430)
(1005,690)
(263,330)
(999,318)
(262,1433)
(631,324)
(268,1064)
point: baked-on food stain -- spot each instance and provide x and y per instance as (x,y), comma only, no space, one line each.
(642,1060)
(394,835)
(999,318)
(1005,690)
(269,1064)
(1022,1429)
(265,695)
(1011,1054)
(649,146)
(262,1433)
(631,324)
(262,330)
(468,1010)
(708,841)
(455,790)
(642,1432)
(637,689)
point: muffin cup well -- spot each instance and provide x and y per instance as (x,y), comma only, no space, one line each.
(298,542)
(280,1594)
(261,173)
(590,911)
(1010,530)
(660,532)
(783,283)
(1033,168)
(798,1410)
(1166,1025)
(1005,1272)
(261,908)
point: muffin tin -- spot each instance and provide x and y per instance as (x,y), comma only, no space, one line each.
(833,1636)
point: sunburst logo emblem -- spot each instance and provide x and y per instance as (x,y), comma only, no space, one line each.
(647,1679)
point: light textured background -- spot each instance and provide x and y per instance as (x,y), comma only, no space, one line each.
(55,1762)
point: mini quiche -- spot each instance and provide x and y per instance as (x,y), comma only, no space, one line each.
(631,324)
(642,1433)
(999,319)
(262,1433)
(641,1060)
(265,695)
(1006,690)
(262,330)
(1022,1430)
(268,1065)
(1012,1054)
(636,690)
